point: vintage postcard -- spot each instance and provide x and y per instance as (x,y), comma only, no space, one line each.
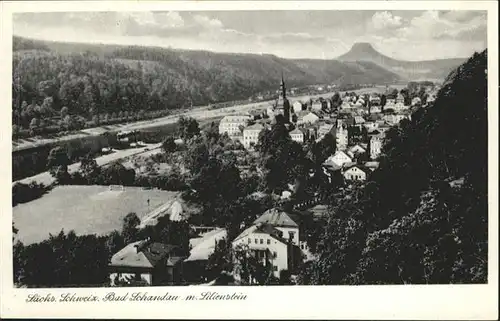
(198,159)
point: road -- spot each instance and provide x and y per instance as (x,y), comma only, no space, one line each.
(47,179)
(198,113)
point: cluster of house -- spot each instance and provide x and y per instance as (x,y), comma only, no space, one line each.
(357,158)
(358,123)
(359,131)
(298,116)
(310,121)
(276,240)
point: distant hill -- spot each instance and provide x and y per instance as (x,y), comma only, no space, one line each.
(119,82)
(259,71)
(411,70)
(19,44)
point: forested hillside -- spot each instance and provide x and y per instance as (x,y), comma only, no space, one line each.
(423,215)
(102,81)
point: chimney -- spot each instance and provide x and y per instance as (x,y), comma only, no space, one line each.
(142,244)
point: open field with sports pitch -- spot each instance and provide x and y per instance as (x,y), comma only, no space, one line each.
(84,209)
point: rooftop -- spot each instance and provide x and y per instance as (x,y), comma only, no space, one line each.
(296,131)
(143,254)
(231,118)
(263,228)
(372,164)
(326,126)
(356,147)
(277,217)
(359,119)
(254,127)
(307,112)
(204,246)
(330,165)
(341,153)
(176,209)
(348,166)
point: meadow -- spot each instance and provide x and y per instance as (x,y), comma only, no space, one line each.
(84,209)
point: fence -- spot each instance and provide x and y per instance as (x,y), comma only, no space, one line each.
(302,204)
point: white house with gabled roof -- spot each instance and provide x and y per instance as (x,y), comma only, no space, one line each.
(400,98)
(376,142)
(309,118)
(370,125)
(339,158)
(372,166)
(273,239)
(324,129)
(341,136)
(266,244)
(355,150)
(358,120)
(431,97)
(297,106)
(317,105)
(375,109)
(355,173)
(297,135)
(394,119)
(251,135)
(374,100)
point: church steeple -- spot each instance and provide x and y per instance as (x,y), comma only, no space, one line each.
(282,87)
(282,103)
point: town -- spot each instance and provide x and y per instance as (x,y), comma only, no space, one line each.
(240,148)
(346,133)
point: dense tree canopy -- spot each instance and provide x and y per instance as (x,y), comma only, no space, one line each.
(82,260)
(22,193)
(283,160)
(168,145)
(422,217)
(188,127)
(68,260)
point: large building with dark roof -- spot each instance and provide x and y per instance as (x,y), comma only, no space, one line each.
(146,263)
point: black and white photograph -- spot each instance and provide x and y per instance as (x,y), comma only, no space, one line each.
(167,148)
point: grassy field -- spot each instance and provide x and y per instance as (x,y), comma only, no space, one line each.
(84,209)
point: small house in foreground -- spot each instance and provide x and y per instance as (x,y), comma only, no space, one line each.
(355,173)
(146,263)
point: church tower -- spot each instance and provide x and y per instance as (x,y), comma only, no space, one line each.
(283,87)
(283,104)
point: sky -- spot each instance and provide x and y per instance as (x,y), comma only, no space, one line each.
(406,35)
